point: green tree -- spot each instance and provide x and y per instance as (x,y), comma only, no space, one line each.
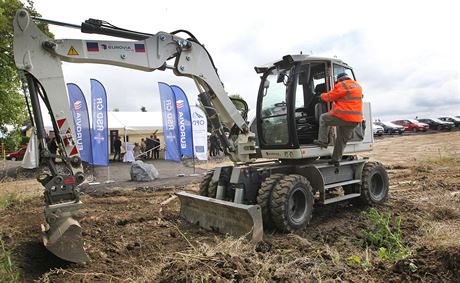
(240,104)
(13,109)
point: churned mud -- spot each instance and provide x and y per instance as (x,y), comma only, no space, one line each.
(133,232)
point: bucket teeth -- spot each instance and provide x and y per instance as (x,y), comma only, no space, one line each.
(65,240)
(222,216)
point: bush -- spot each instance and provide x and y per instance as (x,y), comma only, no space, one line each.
(386,236)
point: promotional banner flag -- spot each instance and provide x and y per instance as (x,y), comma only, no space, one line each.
(170,131)
(99,124)
(184,123)
(200,133)
(80,115)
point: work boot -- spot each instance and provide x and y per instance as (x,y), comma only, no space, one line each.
(320,143)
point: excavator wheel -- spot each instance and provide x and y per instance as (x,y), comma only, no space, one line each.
(375,184)
(204,185)
(292,203)
(264,197)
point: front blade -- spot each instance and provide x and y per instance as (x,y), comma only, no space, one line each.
(65,240)
(222,216)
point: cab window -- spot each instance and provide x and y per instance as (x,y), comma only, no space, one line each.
(341,69)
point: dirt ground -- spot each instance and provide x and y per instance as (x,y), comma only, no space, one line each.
(130,237)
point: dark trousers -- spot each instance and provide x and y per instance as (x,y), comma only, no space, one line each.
(344,133)
(117,153)
(156,153)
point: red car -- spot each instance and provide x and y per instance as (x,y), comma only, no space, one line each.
(412,125)
(17,155)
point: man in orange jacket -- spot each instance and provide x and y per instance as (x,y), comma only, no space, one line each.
(346,114)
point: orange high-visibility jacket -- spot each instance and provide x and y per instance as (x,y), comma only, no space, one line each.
(347,97)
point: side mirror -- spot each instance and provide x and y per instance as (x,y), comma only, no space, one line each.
(266,84)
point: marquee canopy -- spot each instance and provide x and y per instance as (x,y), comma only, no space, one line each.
(130,121)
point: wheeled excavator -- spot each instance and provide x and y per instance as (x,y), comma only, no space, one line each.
(277,175)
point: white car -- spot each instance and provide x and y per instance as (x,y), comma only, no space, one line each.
(377,130)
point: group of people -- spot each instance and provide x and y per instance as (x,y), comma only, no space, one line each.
(151,147)
(148,148)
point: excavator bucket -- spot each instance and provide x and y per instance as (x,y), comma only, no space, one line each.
(65,240)
(222,216)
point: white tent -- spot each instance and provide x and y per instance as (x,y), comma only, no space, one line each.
(128,122)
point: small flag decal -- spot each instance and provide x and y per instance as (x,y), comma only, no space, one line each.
(92,46)
(139,47)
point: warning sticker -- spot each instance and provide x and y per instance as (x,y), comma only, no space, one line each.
(72,51)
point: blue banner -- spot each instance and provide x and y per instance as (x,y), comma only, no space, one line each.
(168,107)
(99,124)
(184,122)
(80,115)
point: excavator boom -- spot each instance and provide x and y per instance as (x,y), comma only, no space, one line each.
(40,59)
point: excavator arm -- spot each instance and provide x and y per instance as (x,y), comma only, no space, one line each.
(40,58)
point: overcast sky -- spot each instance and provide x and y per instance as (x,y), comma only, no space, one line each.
(405,55)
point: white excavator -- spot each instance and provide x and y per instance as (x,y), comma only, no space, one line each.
(276,190)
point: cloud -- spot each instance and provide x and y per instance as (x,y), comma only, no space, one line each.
(405,58)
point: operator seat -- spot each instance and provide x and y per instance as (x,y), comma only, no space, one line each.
(307,129)
(320,106)
(320,88)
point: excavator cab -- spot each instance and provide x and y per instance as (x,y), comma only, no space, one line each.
(289,104)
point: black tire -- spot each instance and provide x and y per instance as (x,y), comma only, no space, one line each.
(292,203)
(208,188)
(264,197)
(375,183)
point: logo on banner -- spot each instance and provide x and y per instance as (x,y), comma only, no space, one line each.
(77,105)
(99,138)
(169,116)
(179,104)
(78,129)
(197,116)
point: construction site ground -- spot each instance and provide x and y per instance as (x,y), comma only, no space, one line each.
(131,236)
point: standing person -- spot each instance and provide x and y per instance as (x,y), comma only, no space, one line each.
(156,147)
(137,151)
(117,147)
(52,147)
(214,145)
(142,148)
(149,146)
(346,114)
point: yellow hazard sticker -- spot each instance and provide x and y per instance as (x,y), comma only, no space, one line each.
(72,51)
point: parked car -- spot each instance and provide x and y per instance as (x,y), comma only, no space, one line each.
(17,155)
(391,128)
(377,130)
(412,125)
(452,119)
(437,124)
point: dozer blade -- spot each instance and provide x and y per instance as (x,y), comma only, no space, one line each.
(222,216)
(65,240)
